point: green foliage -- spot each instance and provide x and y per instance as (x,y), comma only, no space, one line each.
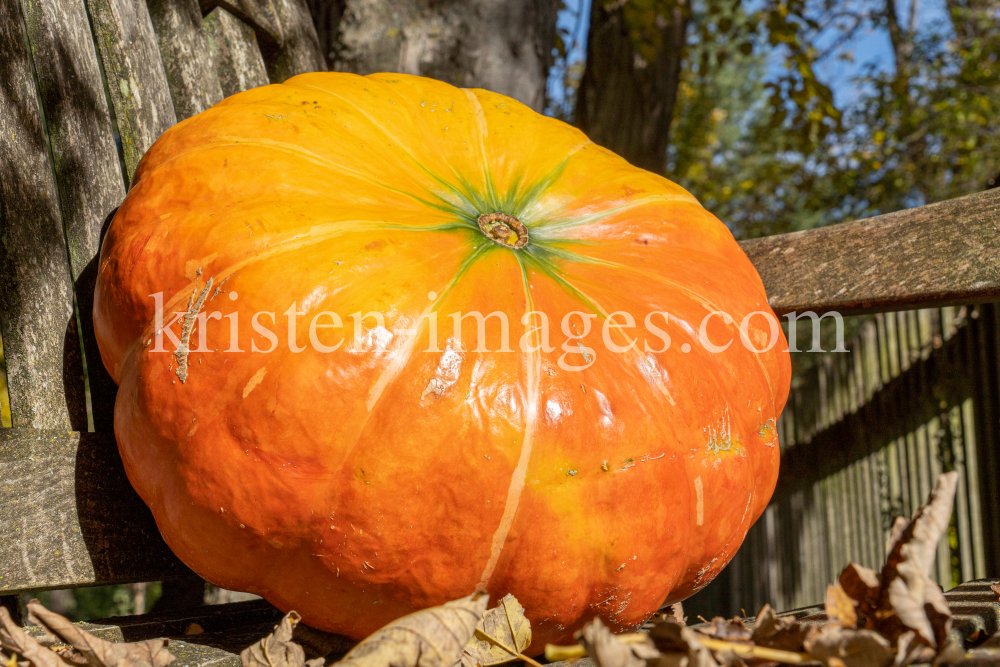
(87,604)
(770,154)
(743,155)
(932,125)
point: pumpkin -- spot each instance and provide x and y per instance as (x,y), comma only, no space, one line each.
(359,472)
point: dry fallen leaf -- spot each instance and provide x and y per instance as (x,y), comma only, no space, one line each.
(433,637)
(909,651)
(727,630)
(840,607)
(837,646)
(681,646)
(895,532)
(85,649)
(995,588)
(675,646)
(501,635)
(15,640)
(785,634)
(278,649)
(607,650)
(861,585)
(908,599)
(676,612)
(98,652)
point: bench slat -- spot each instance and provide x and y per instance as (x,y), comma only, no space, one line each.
(285,32)
(299,49)
(36,294)
(235,52)
(134,70)
(87,169)
(258,14)
(936,255)
(69,517)
(187,59)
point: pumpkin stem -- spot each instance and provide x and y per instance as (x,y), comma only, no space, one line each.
(504,229)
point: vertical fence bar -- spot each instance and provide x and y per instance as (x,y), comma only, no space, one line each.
(972,466)
(962,510)
(891,346)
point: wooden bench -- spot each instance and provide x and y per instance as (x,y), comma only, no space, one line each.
(81,78)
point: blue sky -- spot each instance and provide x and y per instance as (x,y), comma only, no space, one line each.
(870,46)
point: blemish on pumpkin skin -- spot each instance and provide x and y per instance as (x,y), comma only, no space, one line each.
(254,381)
(766,431)
(193,268)
(721,438)
(445,375)
(194,307)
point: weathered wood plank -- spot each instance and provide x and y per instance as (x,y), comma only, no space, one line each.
(235,52)
(285,32)
(299,50)
(258,14)
(187,59)
(940,254)
(36,297)
(88,172)
(69,517)
(137,82)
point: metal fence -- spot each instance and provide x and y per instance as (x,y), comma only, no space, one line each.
(863,437)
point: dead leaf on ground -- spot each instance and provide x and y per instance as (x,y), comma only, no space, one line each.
(680,646)
(278,649)
(895,532)
(837,646)
(784,634)
(727,630)
(908,599)
(500,636)
(676,612)
(607,650)
(995,588)
(433,637)
(95,651)
(14,639)
(909,651)
(840,607)
(862,585)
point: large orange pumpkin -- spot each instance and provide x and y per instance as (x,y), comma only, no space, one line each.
(410,466)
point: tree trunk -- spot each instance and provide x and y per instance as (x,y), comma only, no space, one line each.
(502,45)
(629,88)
